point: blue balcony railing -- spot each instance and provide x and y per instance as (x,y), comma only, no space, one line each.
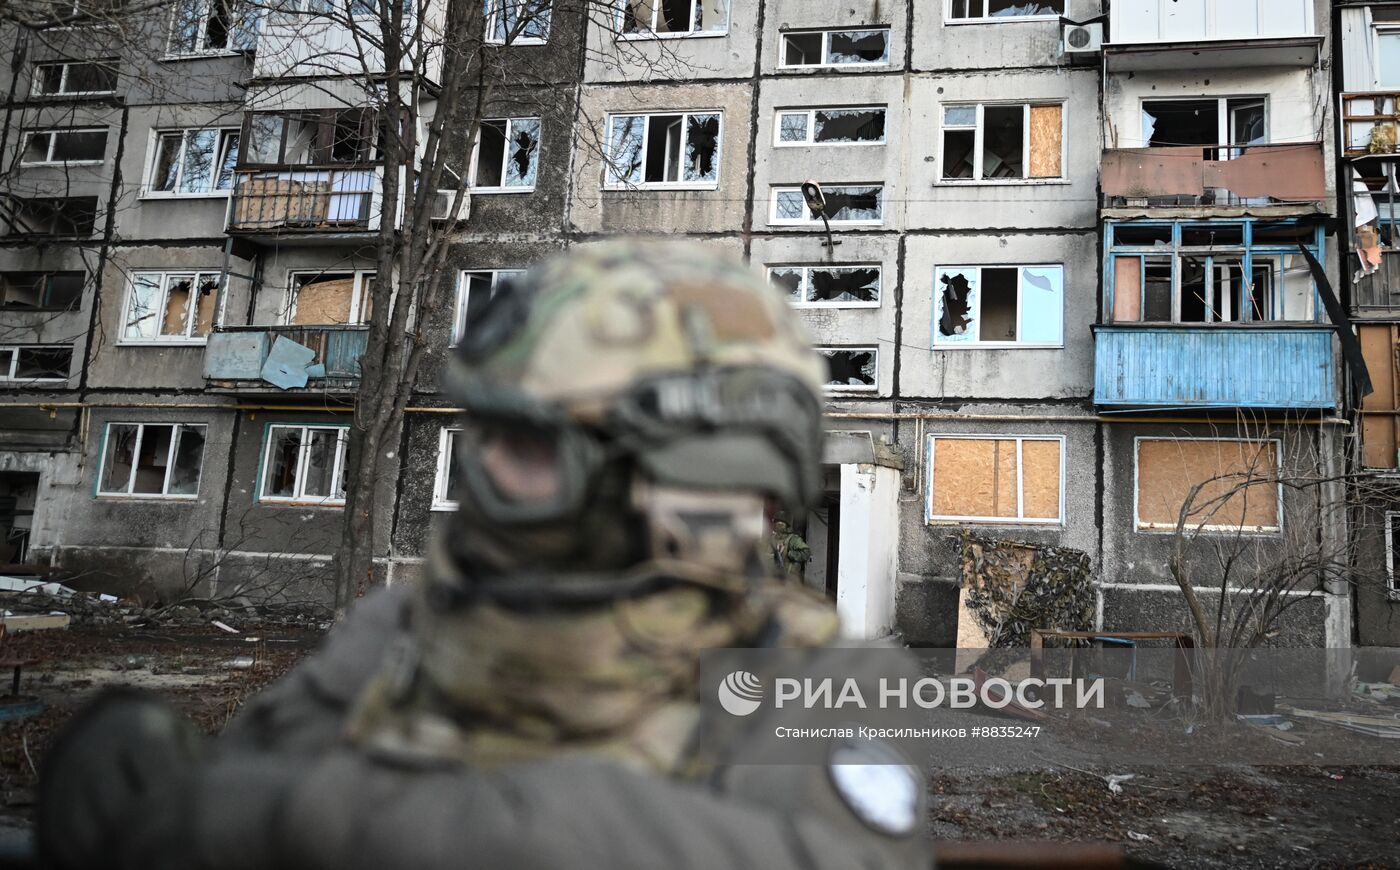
(236,357)
(1218,366)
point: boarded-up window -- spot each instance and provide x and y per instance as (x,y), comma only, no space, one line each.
(1237,480)
(995,480)
(331,298)
(1046,135)
(1380,421)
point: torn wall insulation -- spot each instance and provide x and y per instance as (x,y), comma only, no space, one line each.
(1238,480)
(1351,348)
(1380,428)
(851,368)
(1290,173)
(859,46)
(1047,130)
(1012,587)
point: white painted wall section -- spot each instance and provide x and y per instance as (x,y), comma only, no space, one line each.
(868,550)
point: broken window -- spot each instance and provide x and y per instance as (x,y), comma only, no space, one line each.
(316,137)
(831,126)
(507,155)
(999,305)
(849,205)
(995,10)
(206,26)
(1003,142)
(836,48)
(518,22)
(445,482)
(659,150)
(193,162)
(54,290)
(996,479)
(652,18)
(64,146)
(35,362)
(76,78)
(829,286)
(1380,410)
(1233,121)
(1392,549)
(305,464)
(330,298)
(1238,480)
(54,216)
(1217,272)
(852,368)
(170,306)
(153,460)
(474,290)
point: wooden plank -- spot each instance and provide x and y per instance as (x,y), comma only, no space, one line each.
(1169,469)
(324,302)
(1127,289)
(1040,479)
(1047,132)
(1378,436)
(964,477)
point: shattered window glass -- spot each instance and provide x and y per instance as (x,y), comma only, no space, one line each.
(791,280)
(702,148)
(858,46)
(792,127)
(118,458)
(305,464)
(37,363)
(152,459)
(170,306)
(955,305)
(523,152)
(674,17)
(851,284)
(855,203)
(849,125)
(851,368)
(663,149)
(974,9)
(474,290)
(516,21)
(999,305)
(142,304)
(626,138)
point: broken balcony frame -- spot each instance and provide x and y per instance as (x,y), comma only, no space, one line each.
(1029,320)
(13,367)
(809,121)
(789,47)
(628,161)
(476,282)
(445,479)
(52,149)
(504,133)
(803,290)
(174,455)
(191,324)
(1019,518)
(700,17)
(1037,165)
(308,438)
(788,201)
(1370,123)
(853,352)
(951,11)
(1218,309)
(504,22)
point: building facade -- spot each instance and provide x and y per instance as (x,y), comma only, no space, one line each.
(1075,272)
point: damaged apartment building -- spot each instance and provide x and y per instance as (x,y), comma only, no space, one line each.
(1074,267)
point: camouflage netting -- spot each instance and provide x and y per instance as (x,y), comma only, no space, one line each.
(1013,587)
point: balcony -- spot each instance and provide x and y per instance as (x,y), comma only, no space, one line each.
(1260,180)
(1216,366)
(1192,34)
(1379,292)
(311,202)
(1370,124)
(248,360)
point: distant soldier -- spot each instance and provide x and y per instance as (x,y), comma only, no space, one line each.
(630,411)
(790,552)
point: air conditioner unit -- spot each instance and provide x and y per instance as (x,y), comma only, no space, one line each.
(442,206)
(1083,38)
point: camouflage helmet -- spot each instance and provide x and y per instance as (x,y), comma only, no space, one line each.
(631,360)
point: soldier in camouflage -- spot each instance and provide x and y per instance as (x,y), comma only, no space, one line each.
(631,409)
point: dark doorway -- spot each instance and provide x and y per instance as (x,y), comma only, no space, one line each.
(18,494)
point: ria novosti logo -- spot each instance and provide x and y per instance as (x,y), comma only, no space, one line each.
(740,693)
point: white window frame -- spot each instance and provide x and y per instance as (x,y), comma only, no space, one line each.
(443,477)
(1141,528)
(977,320)
(298,496)
(192,317)
(610,183)
(808,220)
(980,133)
(1392,582)
(808,268)
(493,11)
(136,454)
(811,114)
(930,518)
(202,50)
(221,146)
(651,33)
(505,157)
(358,292)
(50,132)
(842,389)
(36,78)
(826,48)
(948,18)
(1377,31)
(459,309)
(8,370)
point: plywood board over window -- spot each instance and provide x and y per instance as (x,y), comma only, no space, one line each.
(995,479)
(1380,411)
(1238,480)
(1047,133)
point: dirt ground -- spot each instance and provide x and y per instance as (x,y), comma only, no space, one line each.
(1223,816)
